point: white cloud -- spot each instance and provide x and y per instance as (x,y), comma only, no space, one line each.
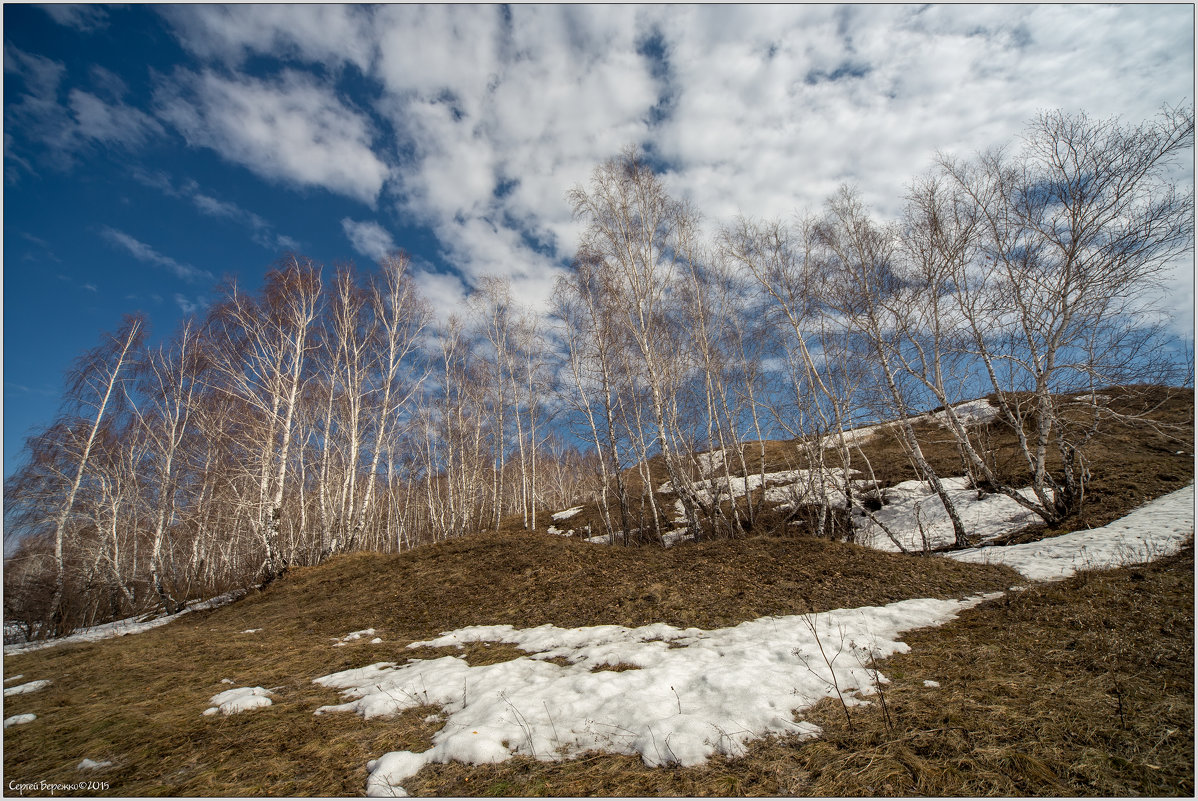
(144,253)
(66,130)
(368,238)
(756,110)
(188,305)
(500,136)
(291,129)
(84,17)
(319,33)
(445,292)
(820,96)
(261,231)
(112,123)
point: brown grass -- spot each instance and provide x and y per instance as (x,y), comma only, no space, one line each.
(1131,462)
(137,701)
(1079,688)
(1083,687)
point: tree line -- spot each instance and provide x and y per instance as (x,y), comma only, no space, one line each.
(317,417)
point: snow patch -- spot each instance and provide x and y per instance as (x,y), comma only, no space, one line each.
(27,687)
(239,699)
(696,693)
(912,504)
(120,628)
(1156,529)
(785,487)
(930,683)
(354,636)
(671,538)
(91,764)
(710,462)
(853,436)
(14,678)
(974,412)
(17,720)
(566,514)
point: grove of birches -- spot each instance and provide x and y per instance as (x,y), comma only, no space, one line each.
(330,412)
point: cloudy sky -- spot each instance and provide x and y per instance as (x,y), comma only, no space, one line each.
(150,151)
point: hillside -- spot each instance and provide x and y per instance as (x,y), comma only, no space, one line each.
(1082,686)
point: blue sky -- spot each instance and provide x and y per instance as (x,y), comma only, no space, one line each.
(150,151)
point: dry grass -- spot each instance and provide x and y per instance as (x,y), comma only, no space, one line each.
(1130,463)
(1078,688)
(137,701)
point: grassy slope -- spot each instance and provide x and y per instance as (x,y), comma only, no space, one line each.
(1084,687)
(1078,688)
(137,701)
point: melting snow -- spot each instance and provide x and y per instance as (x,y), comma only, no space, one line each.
(1156,529)
(710,462)
(120,628)
(911,504)
(567,514)
(852,436)
(17,720)
(696,693)
(787,487)
(971,412)
(353,636)
(237,700)
(930,683)
(14,678)
(90,764)
(27,687)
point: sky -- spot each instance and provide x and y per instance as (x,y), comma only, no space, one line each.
(150,152)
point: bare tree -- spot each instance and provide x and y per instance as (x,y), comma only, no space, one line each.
(594,387)
(1073,234)
(171,378)
(642,239)
(867,290)
(400,316)
(93,389)
(265,344)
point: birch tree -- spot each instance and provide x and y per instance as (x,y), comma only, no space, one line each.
(265,344)
(867,290)
(1074,232)
(642,237)
(171,377)
(93,390)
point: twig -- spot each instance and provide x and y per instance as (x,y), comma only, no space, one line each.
(810,620)
(553,725)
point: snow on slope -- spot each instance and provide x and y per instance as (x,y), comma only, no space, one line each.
(912,504)
(27,687)
(120,628)
(1156,529)
(974,412)
(239,699)
(694,692)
